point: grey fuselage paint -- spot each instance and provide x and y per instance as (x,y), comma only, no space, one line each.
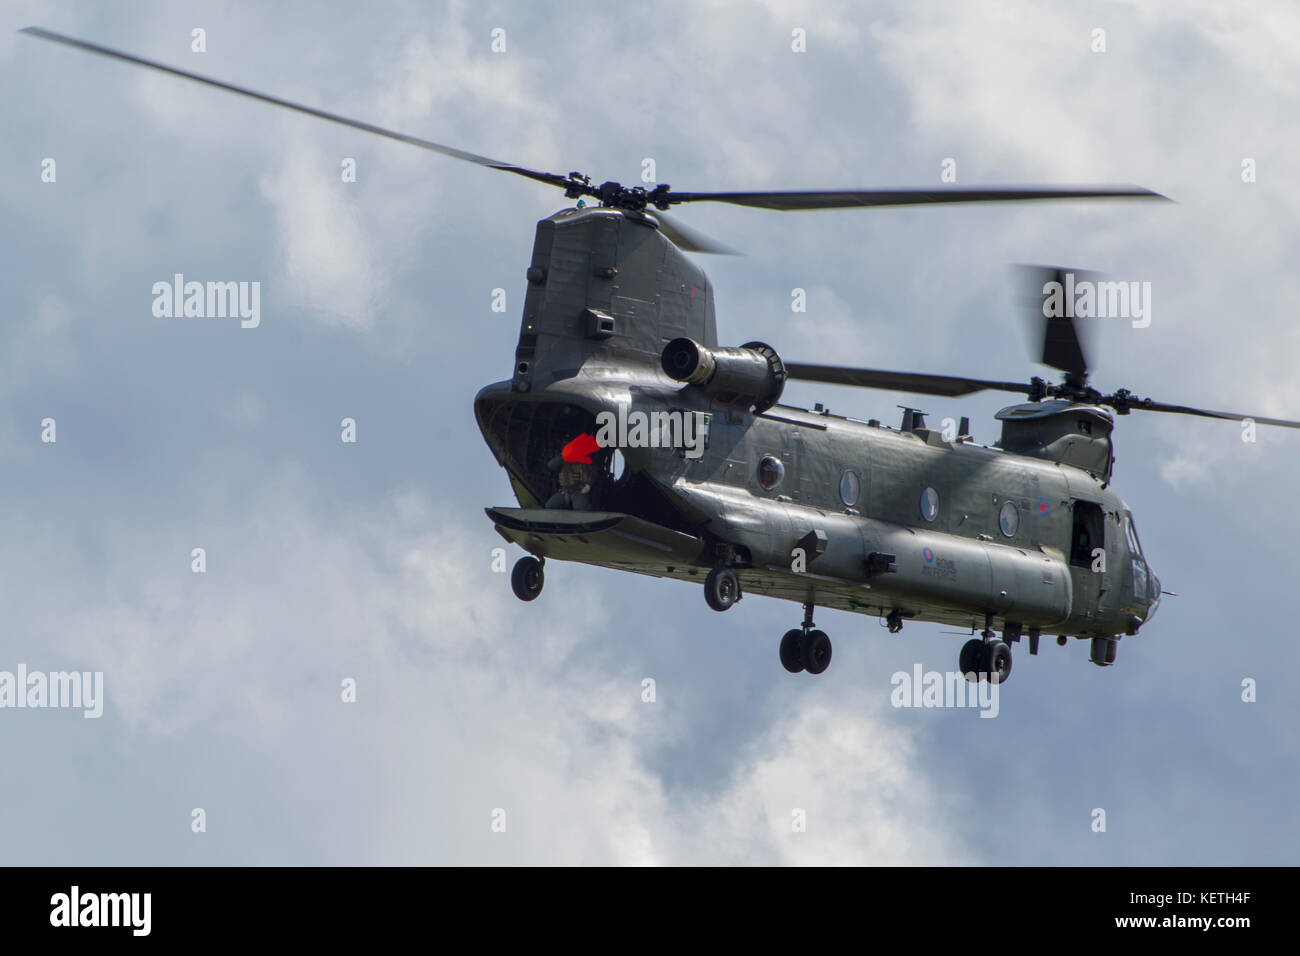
(607,291)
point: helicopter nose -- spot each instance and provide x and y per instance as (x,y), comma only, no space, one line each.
(1154,584)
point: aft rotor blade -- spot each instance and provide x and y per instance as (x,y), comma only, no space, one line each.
(1061,334)
(553,179)
(691,240)
(1147,405)
(849,198)
(948,386)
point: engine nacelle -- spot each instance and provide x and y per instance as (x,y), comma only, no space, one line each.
(752,375)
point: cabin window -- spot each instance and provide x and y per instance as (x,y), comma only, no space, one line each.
(1088,533)
(770,472)
(1009,518)
(850,488)
(929,504)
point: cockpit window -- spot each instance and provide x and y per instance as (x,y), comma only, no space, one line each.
(1134,545)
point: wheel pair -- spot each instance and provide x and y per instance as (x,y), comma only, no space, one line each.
(985,660)
(810,651)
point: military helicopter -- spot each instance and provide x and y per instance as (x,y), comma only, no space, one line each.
(721,485)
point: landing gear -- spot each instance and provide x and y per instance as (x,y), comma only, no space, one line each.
(527,578)
(792,651)
(805,648)
(721,589)
(999,661)
(988,659)
(816,652)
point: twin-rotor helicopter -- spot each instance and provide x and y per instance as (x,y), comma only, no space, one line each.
(723,486)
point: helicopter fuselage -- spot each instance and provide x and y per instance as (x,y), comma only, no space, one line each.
(810,506)
(903,523)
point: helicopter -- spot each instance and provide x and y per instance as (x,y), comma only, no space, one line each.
(633,440)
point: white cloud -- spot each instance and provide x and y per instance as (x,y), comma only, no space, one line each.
(326,250)
(853,772)
(554,734)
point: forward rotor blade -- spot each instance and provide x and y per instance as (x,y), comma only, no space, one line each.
(848,198)
(948,386)
(691,240)
(1146,405)
(551,178)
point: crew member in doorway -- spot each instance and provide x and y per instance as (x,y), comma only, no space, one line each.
(576,480)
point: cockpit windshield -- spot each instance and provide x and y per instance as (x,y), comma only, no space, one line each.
(1130,531)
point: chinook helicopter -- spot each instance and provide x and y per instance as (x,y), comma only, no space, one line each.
(722,485)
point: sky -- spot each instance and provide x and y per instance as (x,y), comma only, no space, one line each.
(488,731)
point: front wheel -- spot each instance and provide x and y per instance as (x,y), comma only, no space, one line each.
(527,578)
(721,589)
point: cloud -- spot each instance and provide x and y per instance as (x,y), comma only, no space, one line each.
(477,701)
(854,773)
(223,688)
(326,251)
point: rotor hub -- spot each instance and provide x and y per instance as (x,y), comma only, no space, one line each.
(617,196)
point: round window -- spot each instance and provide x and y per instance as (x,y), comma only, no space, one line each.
(1009,518)
(850,488)
(770,472)
(929,504)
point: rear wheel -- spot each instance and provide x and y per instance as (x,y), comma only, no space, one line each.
(792,651)
(816,652)
(999,661)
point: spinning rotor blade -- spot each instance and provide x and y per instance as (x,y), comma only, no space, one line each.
(690,240)
(552,179)
(1147,405)
(953,386)
(638,198)
(948,386)
(849,198)
(1063,347)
